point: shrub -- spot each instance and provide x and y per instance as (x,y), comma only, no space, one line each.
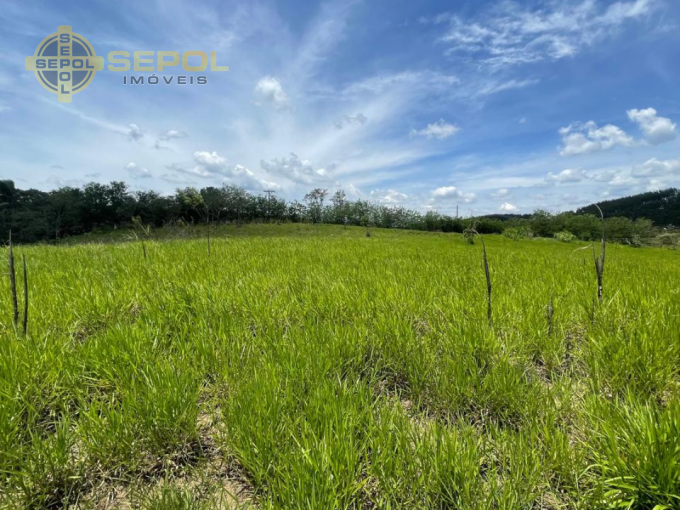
(565,237)
(516,233)
(635,241)
(452,225)
(669,239)
(490,226)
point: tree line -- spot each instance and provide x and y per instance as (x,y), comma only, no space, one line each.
(662,207)
(34,215)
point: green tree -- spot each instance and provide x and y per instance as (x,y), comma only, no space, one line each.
(314,201)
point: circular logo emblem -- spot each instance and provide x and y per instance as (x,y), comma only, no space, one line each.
(65,63)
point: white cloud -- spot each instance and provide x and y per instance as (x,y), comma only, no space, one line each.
(196,171)
(501,193)
(297,170)
(523,120)
(134,133)
(584,138)
(655,185)
(613,177)
(565,176)
(508,207)
(242,176)
(269,91)
(657,168)
(439,130)
(496,87)
(379,84)
(510,34)
(389,197)
(451,193)
(348,120)
(172,134)
(136,171)
(656,129)
(211,162)
(210,165)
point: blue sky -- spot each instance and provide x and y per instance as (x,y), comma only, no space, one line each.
(492,106)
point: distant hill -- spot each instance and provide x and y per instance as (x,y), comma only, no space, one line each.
(662,207)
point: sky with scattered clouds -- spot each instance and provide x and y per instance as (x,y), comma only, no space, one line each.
(491,106)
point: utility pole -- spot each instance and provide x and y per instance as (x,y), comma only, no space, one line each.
(269,193)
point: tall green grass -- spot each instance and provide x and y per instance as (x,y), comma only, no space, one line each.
(317,368)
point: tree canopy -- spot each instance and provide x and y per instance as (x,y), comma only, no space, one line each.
(34,215)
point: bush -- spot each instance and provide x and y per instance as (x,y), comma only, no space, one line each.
(452,225)
(489,226)
(565,237)
(516,233)
(635,241)
(669,239)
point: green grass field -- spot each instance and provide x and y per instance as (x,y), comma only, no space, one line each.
(314,367)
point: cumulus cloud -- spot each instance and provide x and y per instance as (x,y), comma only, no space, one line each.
(584,138)
(656,129)
(297,170)
(172,134)
(211,165)
(452,193)
(136,171)
(565,176)
(210,161)
(268,91)
(613,177)
(501,193)
(510,34)
(439,130)
(245,177)
(348,120)
(388,197)
(134,133)
(508,207)
(657,168)
(208,165)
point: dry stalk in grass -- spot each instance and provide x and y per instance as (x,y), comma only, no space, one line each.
(488,284)
(208,240)
(13,282)
(25,297)
(551,312)
(599,261)
(146,230)
(487,274)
